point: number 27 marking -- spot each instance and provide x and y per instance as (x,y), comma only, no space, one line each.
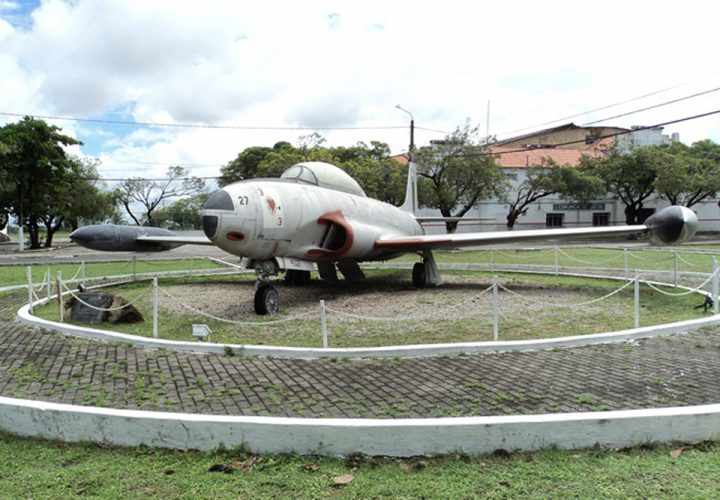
(243,200)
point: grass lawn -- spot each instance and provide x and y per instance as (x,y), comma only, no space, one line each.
(41,469)
(522,320)
(16,275)
(658,258)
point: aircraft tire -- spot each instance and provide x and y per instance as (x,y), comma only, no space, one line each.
(267,300)
(418,275)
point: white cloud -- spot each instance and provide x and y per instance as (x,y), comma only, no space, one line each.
(328,63)
(9,5)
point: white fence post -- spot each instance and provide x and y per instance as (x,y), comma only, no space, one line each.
(61,305)
(637,302)
(715,285)
(496,313)
(49,283)
(492,260)
(30,288)
(134,267)
(557,260)
(156,306)
(323,324)
(675,268)
(83,273)
(625,258)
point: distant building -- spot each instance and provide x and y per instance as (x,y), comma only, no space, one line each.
(565,145)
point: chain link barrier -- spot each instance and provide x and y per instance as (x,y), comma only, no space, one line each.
(587,262)
(697,289)
(180,303)
(576,305)
(434,317)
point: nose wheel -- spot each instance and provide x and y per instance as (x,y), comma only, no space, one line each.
(267,299)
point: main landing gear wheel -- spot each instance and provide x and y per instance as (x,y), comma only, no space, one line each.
(267,299)
(418,275)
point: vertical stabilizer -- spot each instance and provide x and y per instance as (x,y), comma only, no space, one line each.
(411,196)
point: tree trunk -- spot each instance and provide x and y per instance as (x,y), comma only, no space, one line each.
(512,218)
(34,232)
(632,213)
(48,234)
(451,226)
(51,230)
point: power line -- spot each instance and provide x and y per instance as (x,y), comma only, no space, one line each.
(602,108)
(598,138)
(123,179)
(193,125)
(499,153)
(654,106)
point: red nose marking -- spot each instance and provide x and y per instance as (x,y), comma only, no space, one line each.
(235,236)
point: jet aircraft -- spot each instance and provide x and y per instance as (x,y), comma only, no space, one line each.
(316,215)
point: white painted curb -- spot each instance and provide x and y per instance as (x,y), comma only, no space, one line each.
(338,437)
(417,350)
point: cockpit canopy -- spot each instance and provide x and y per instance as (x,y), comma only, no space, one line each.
(324,175)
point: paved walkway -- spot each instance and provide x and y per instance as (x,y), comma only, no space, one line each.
(680,370)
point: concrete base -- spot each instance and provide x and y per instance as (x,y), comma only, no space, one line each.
(339,437)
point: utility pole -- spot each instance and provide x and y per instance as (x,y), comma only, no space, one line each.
(411,152)
(487,123)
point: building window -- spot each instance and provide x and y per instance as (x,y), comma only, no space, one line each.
(601,219)
(554,220)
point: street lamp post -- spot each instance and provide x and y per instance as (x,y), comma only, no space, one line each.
(411,152)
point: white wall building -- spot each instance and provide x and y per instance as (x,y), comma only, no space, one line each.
(554,211)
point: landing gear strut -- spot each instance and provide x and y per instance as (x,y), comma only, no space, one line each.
(426,273)
(267,298)
(297,277)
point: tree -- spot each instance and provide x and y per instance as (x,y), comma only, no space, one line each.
(457,172)
(371,165)
(630,177)
(90,202)
(688,175)
(150,194)
(543,181)
(183,213)
(34,163)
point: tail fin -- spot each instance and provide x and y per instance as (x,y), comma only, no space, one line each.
(411,195)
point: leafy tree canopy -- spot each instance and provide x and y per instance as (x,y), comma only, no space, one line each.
(457,172)
(546,180)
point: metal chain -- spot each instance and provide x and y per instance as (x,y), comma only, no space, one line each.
(232,321)
(407,318)
(580,304)
(687,292)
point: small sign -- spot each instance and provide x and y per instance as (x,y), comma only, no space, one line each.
(201,331)
(579,206)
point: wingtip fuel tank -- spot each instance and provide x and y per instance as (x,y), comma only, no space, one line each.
(115,238)
(672,225)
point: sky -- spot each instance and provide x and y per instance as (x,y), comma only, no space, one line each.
(345,64)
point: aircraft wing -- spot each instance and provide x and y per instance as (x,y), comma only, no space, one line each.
(455,240)
(176,240)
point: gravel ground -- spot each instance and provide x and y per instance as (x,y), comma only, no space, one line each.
(391,297)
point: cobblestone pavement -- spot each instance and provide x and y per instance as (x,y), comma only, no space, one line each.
(680,370)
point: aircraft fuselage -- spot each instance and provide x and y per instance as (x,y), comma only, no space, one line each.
(271,218)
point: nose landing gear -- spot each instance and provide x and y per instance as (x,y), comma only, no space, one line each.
(267,298)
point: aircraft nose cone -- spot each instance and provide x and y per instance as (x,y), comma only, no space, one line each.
(80,236)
